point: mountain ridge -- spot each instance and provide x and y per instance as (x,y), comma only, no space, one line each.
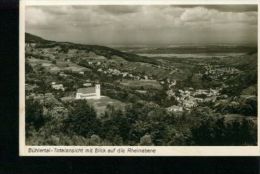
(97,49)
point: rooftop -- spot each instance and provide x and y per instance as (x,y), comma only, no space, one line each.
(174,107)
(86,90)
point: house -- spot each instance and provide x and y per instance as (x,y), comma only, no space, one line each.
(124,74)
(62,74)
(173,83)
(89,92)
(67,59)
(57,86)
(87,84)
(175,108)
(188,104)
(210,99)
(162,82)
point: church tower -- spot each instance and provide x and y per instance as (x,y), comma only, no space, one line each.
(97,89)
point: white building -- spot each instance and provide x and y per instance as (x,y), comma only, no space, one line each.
(89,93)
(87,84)
(81,72)
(58,87)
(174,108)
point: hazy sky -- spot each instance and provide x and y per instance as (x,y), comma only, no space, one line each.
(120,25)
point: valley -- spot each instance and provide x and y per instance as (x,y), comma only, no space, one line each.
(182,88)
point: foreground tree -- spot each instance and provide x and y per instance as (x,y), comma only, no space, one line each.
(146,140)
(33,115)
(218,132)
(82,120)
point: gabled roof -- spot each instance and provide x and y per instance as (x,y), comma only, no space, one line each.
(174,107)
(86,90)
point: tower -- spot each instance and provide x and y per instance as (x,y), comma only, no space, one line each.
(97,89)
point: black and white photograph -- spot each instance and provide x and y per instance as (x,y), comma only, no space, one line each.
(141,75)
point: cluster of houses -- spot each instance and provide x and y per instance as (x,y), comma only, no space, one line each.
(58,67)
(94,63)
(50,53)
(188,99)
(169,82)
(218,72)
(29,47)
(116,72)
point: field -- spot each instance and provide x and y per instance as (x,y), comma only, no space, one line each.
(196,55)
(100,105)
(145,84)
(59,66)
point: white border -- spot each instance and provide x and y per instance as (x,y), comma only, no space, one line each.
(160,150)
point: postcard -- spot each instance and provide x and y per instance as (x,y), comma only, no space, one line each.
(138,78)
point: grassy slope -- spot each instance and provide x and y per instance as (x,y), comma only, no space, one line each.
(29,38)
(99,50)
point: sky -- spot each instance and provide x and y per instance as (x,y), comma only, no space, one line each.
(144,24)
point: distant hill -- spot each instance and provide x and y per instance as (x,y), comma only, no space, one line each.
(246,62)
(29,38)
(97,49)
(196,49)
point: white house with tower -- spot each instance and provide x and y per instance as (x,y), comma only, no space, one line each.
(89,92)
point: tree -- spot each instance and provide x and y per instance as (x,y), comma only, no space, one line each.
(82,119)
(217,132)
(34,118)
(248,106)
(115,125)
(28,67)
(44,86)
(146,140)
(95,140)
(204,134)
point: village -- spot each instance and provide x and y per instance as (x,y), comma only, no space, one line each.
(81,65)
(216,72)
(190,98)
